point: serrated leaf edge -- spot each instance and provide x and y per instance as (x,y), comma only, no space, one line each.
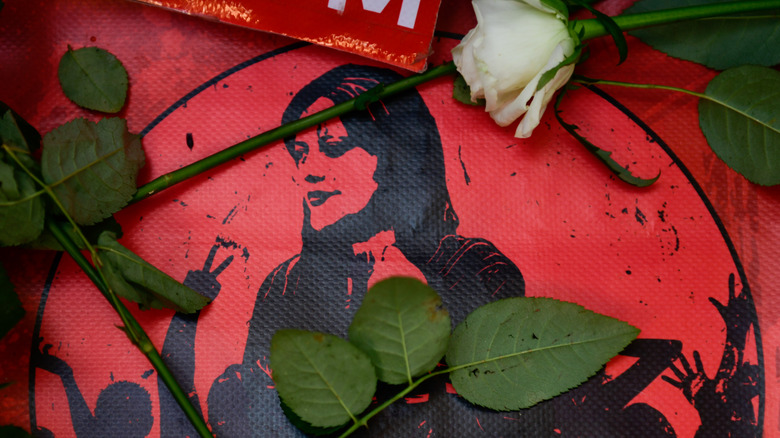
(88,75)
(536,350)
(324,380)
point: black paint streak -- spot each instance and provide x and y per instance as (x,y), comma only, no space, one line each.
(231,214)
(190,141)
(463,165)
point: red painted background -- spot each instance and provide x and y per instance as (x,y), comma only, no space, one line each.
(545,202)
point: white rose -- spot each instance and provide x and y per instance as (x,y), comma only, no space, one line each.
(504,57)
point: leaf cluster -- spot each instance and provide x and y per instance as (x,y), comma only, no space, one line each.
(738,113)
(87,169)
(80,174)
(506,355)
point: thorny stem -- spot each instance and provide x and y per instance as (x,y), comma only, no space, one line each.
(588,81)
(132,328)
(364,419)
(380,92)
(593,28)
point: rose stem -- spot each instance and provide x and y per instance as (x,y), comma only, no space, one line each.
(380,92)
(593,28)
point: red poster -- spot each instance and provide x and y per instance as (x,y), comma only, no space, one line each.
(398,32)
(294,234)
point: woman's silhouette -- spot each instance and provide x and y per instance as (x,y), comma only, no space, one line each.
(374,193)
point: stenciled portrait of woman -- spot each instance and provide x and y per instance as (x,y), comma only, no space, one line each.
(296,238)
(373,192)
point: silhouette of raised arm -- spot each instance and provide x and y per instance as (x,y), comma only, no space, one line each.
(179,349)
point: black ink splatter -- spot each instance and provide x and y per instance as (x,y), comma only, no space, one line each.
(231,214)
(640,217)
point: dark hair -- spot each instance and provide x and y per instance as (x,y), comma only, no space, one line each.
(411,195)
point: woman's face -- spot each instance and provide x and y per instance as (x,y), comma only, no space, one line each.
(337,176)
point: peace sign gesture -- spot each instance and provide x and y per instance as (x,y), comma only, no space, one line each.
(205,281)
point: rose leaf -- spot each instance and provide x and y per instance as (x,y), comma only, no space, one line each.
(403,328)
(21,206)
(516,352)
(11,310)
(742,124)
(324,379)
(92,167)
(718,43)
(93,78)
(462,92)
(137,280)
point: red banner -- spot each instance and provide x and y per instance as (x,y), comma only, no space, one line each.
(396,32)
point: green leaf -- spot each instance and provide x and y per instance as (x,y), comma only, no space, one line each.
(403,327)
(558,5)
(324,379)
(305,427)
(133,278)
(517,352)
(47,241)
(92,167)
(550,74)
(93,78)
(15,131)
(462,92)
(611,27)
(11,310)
(21,206)
(717,43)
(742,125)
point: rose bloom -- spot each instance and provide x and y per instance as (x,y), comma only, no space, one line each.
(503,58)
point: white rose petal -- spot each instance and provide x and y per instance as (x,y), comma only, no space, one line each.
(503,58)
